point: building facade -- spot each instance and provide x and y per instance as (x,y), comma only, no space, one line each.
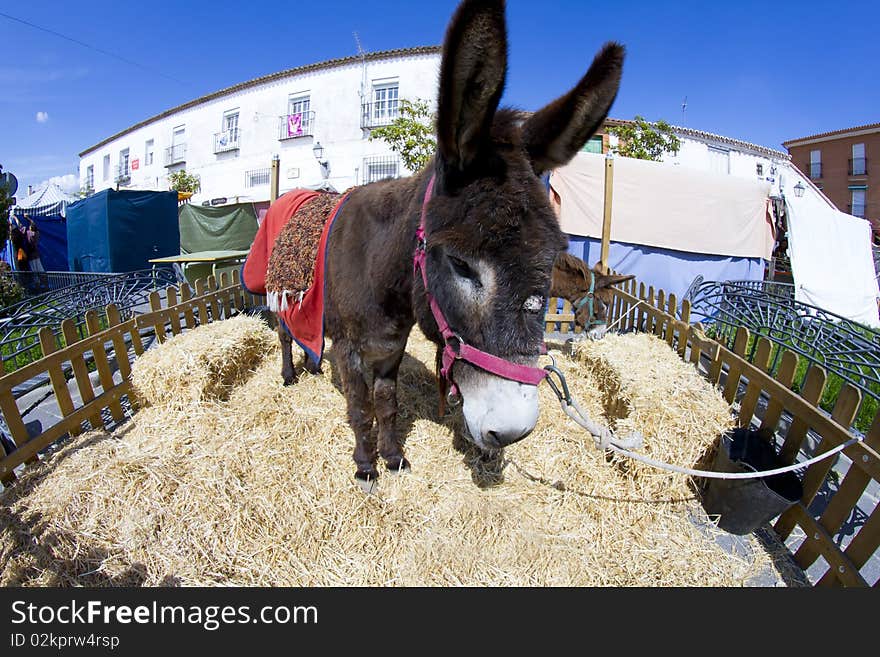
(839,163)
(705,151)
(229,138)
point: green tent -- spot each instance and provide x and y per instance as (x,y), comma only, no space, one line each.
(222,228)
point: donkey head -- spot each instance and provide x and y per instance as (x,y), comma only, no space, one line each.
(588,290)
(492,237)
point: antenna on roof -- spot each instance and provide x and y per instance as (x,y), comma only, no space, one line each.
(684,107)
(362,55)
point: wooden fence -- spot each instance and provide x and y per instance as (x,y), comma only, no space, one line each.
(108,352)
(792,416)
(635,308)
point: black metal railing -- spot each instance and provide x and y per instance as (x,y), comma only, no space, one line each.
(175,154)
(33,282)
(20,323)
(858,166)
(257,177)
(122,175)
(226,141)
(815,170)
(298,124)
(375,115)
(380,168)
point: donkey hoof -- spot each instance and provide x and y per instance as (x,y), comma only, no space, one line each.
(290,379)
(398,466)
(368,481)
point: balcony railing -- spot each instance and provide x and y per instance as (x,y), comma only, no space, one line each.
(226,141)
(257,177)
(857,210)
(175,154)
(380,167)
(374,115)
(300,124)
(815,170)
(858,166)
(122,175)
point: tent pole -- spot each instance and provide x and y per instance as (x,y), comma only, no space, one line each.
(606,219)
(273,180)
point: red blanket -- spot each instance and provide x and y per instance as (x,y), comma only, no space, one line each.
(302,319)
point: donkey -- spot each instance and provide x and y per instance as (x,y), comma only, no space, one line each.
(588,291)
(465,248)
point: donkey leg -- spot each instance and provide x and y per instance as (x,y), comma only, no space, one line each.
(288,374)
(360,412)
(385,403)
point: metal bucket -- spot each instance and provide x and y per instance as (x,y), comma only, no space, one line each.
(743,505)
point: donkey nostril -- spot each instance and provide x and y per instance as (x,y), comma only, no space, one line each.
(504,438)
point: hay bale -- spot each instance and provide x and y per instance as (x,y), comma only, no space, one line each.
(258,490)
(646,387)
(202,364)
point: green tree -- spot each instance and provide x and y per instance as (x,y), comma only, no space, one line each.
(644,140)
(181,181)
(411,134)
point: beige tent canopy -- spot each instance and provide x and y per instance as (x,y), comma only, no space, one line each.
(664,206)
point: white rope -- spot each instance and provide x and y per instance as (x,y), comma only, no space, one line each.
(619,319)
(605,439)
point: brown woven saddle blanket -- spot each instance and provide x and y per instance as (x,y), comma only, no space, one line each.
(292,260)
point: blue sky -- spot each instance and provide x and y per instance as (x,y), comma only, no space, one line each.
(759,71)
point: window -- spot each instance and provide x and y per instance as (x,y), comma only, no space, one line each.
(124,171)
(299,116)
(815,164)
(759,169)
(177,151)
(257,177)
(857,208)
(148,153)
(858,163)
(90,177)
(593,145)
(719,160)
(227,138)
(106,167)
(379,168)
(385,102)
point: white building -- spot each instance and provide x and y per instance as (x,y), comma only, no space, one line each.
(229,138)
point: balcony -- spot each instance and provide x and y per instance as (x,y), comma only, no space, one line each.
(858,166)
(375,115)
(815,170)
(293,126)
(226,141)
(122,175)
(175,154)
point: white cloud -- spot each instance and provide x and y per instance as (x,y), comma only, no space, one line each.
(42,117)
(69,183)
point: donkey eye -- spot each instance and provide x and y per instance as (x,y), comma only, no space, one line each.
(463,269)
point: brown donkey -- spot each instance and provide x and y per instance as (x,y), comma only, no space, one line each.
(485,250)
(588,291)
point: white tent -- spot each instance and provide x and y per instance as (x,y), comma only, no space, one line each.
(47,200)
(831,258)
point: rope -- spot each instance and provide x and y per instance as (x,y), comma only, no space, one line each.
(605,439)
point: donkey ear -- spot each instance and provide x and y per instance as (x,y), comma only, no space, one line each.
(613,279)
(472,74)
(554,134)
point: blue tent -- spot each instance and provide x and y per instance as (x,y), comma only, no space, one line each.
(48,208)
(119,231)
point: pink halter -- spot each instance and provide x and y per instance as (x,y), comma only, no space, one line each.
(456,348)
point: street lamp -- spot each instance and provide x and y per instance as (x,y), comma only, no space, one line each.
(318,152)
(799,189)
